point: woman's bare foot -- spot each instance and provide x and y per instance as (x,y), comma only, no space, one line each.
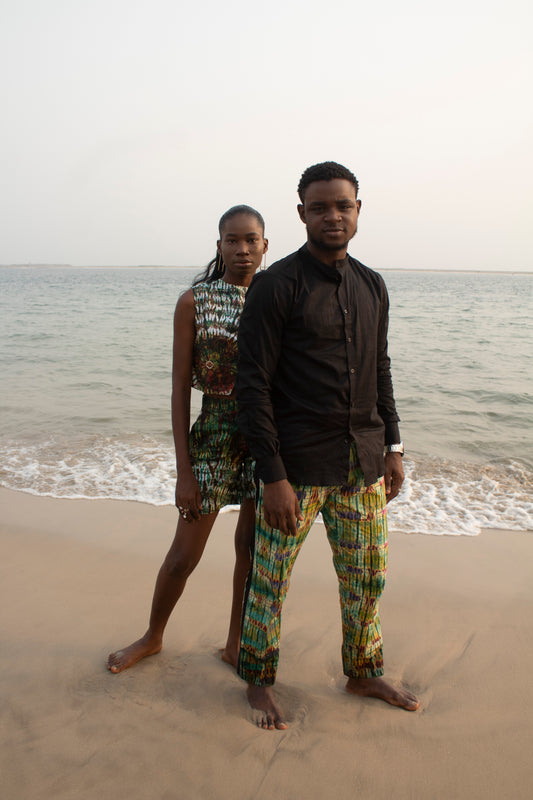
(267,715)
(378,687)
(122,659)
(230,653)
(228,657)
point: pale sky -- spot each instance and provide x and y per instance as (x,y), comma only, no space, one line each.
(130,126)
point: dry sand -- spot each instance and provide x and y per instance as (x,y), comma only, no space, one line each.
(77,580)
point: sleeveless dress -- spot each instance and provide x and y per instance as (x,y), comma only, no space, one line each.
(220,459)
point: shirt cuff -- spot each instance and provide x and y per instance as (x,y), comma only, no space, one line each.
(392,433)
(270,469)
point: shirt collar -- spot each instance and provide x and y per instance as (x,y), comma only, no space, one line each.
(330,273)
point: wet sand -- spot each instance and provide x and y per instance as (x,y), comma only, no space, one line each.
(76,582)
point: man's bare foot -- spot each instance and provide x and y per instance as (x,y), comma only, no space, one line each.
(267,715)
(378,687)
(122,659)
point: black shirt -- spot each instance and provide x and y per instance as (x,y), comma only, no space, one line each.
(314,373)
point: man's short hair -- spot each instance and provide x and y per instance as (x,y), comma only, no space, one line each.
(326,171)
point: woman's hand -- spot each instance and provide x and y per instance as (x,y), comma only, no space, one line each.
(188,497)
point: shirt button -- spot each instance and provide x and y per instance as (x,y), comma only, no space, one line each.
(352,370)
(349,338)
(345,310)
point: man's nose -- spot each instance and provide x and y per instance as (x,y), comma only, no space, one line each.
(243,247)
(332,213)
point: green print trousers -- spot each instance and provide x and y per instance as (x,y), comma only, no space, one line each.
(356,524)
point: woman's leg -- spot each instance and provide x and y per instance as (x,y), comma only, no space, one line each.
(243,539)
(183,556)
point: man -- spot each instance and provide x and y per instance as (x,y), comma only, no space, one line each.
(316,407)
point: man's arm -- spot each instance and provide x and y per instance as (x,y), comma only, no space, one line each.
(267,306)
(259,344)
(394,474)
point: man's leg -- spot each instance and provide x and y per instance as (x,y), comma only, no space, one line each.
(356,522)
(356,526)
(274,555)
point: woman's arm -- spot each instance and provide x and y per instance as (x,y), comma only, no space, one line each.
(187,489)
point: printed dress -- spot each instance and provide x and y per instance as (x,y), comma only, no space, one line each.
(220,459)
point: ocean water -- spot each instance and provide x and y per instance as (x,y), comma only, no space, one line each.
(85,359)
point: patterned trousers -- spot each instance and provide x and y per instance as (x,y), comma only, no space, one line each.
(356,525)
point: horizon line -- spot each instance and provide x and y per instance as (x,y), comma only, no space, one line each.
(511,270)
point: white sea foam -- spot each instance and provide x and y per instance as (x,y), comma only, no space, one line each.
(438,497)
(141,470)
(447,498)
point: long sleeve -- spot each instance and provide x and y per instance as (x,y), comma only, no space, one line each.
(259,345)
(386,404)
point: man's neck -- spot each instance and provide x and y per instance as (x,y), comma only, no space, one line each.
(329,257)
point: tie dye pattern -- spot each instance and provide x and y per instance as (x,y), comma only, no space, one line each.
(356,525)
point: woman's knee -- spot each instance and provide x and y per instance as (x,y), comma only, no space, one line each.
(180,565)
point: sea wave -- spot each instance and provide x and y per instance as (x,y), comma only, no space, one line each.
(439,497)
(92,467)
(446,497)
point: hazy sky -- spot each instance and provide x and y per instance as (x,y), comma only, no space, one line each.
(129,126)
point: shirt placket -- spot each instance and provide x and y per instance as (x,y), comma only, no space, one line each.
(347,305)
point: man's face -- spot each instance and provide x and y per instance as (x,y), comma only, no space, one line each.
(330,212)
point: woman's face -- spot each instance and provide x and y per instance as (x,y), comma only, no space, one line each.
(242,247)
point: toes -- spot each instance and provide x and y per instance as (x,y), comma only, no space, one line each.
(114,663)
(408,701)
(269,723)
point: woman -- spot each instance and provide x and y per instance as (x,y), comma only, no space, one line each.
(213,465)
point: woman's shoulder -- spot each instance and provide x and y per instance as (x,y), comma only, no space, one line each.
(186,297)
(185,301)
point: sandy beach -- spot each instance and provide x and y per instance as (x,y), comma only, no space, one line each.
(77,580)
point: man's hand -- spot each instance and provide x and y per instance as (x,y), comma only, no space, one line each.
(281,507)
(393,475)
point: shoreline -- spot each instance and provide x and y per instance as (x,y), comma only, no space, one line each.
(461,270)
(77,580)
